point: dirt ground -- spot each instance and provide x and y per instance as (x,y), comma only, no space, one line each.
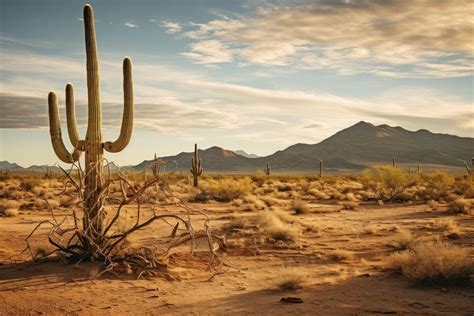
(356,285)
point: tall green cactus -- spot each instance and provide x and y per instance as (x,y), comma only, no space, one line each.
(93,145)
(196,169)
(267,169)
(393,162)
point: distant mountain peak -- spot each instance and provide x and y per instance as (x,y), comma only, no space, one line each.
(245,154)
(220,151)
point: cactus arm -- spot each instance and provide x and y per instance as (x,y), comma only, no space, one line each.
(55,132)
(127,118)
(71,118)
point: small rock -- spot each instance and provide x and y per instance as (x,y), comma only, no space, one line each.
(444,290)
(365,275)
(291,299)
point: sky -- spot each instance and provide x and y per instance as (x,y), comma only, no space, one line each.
(253,74)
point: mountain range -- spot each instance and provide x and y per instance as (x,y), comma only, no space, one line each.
(353,148)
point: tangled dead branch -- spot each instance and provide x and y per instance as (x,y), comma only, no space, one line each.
(108,245)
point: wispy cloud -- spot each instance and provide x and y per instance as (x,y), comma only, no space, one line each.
(183,101)
(209,51)
(421,39)
(130,24)
(170,26)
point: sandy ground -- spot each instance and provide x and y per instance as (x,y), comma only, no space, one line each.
(356,286)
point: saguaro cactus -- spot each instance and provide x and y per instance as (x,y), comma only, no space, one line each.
(92,145)
(267,169)
(196,169)
(154,168)
(393,162)
(320,169)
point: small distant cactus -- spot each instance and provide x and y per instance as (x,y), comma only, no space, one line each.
(418,169)
(320,169)
(393,162)
(48,174)
(93,145)
(155,168)
(267,169)
(196,169)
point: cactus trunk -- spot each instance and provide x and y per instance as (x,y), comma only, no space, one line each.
(320,169)
(93,145)
(94,149)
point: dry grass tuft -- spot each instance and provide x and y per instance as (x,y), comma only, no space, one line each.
(276,229)
(435,263)
(341,255)
(349,205)
(448,226)
(227,189)
(235,224)
(9,204)
(403,240)
(9,212)
(290,280)
(460,206)
(300,207)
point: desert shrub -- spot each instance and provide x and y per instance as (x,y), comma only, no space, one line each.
(284,187)
(464,186)
(9,212)
(348,205)
(460,206)
(29,184)
(4,204)
(318,194)
(432,204)
(434,262)
(256,203)
(234,224)
(341,255)
(289,280)
(370,230)
(270,201)
(448,226)
(259,178)
(300,207)
(403,240)
(386,181)
(227,189)
(276,229)
(405,196)
(437,185)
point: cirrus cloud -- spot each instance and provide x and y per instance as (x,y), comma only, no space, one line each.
(405,38)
